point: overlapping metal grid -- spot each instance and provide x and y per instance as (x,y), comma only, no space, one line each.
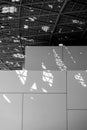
(39,22)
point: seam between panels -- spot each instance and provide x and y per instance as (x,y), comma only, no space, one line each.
(62,53)
(66,104)
(22,111)
(20,26)
(77,109)
(31,93)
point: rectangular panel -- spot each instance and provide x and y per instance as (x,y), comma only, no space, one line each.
(75,57)
(37,56)
(33,81)
(77,89)
(43,112)
(10,82)
(77,120)
(10,112)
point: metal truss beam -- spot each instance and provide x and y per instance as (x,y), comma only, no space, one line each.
(58,18)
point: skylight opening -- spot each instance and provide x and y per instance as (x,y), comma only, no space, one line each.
(25,26)
(18,55)
(9,62)
(2,27)
(11,9)
(10,17)
(50,6)
(61,44)
(31,10)
(15,40)
(60,30)
(45,28)
(77,21)
(0,41)
(32,18)
(15,0)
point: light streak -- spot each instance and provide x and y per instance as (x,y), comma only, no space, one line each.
(44,90)
(66,48)
(22,74)
(59,62)
(6,98)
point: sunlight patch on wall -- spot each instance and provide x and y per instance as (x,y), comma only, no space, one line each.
(22,74)
(33,87)
(59,62)
(44,90)
(71,57)
(80,79)
(47,76)
(6,98)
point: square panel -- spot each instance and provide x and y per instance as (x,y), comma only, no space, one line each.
(77,120)
(10,111)
(10,82)
(37,56)
(75,57)
(46,82)
(77,89)
(43,112)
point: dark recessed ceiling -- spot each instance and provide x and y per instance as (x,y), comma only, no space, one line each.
(40,23)
(52,22)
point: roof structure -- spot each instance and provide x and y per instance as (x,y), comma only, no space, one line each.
(39,23)
(51,22)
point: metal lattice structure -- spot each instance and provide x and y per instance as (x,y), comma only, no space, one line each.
(39,23)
